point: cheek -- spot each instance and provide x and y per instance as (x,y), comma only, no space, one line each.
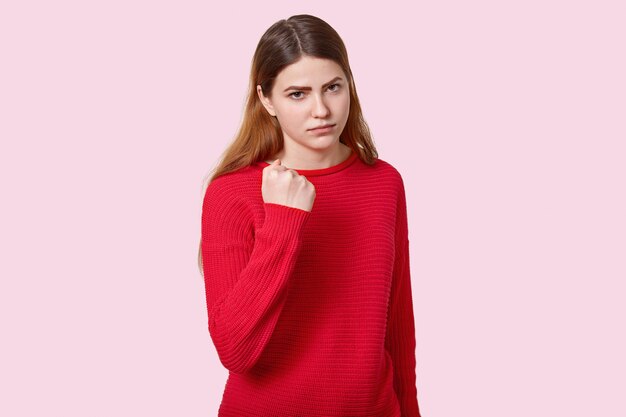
(343,105)
(293,118)
(295,115)
(284,111)
(343,111)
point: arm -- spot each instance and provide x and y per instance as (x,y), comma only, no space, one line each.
(400,337)
(246,273)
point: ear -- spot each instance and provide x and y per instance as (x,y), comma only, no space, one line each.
(265,101)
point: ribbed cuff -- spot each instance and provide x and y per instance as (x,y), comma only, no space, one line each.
(284,220)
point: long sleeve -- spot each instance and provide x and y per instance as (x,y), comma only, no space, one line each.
(246,271)
(400,336)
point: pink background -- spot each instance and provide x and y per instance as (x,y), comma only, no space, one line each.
(506,120)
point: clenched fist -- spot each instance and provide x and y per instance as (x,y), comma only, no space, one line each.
(284,186)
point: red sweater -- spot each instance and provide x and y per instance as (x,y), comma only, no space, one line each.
(311,312)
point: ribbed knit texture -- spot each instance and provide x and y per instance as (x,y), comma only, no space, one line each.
(311,312)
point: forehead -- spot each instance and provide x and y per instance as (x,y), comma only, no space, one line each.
(309,72)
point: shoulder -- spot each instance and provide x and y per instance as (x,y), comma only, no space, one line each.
(230,193)
(386,172)
(392,182)
(226,215)
(236,183)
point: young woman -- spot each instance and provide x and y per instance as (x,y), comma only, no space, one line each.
(304,244)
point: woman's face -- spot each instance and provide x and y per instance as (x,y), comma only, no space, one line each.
(319,95)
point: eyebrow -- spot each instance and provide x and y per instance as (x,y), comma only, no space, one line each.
(294,87)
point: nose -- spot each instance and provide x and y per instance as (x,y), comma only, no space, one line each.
(319,107)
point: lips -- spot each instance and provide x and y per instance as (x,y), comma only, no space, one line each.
(321,127)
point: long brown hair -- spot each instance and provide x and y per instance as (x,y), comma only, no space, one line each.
(260,135)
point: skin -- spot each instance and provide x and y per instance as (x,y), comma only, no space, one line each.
(299,110)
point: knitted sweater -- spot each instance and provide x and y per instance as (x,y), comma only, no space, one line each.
(311,312)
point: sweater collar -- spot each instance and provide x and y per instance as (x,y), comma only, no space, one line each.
(322,171)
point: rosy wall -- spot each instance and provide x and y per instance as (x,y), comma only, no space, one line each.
(506,120)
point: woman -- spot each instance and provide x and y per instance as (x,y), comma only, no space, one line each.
(304,246)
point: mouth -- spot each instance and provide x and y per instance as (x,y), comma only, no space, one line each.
(322,127)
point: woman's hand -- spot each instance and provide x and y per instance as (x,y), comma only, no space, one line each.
(284,186)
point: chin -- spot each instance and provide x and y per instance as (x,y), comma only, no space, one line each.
(326,140)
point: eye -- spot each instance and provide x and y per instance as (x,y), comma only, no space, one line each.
(300,92)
